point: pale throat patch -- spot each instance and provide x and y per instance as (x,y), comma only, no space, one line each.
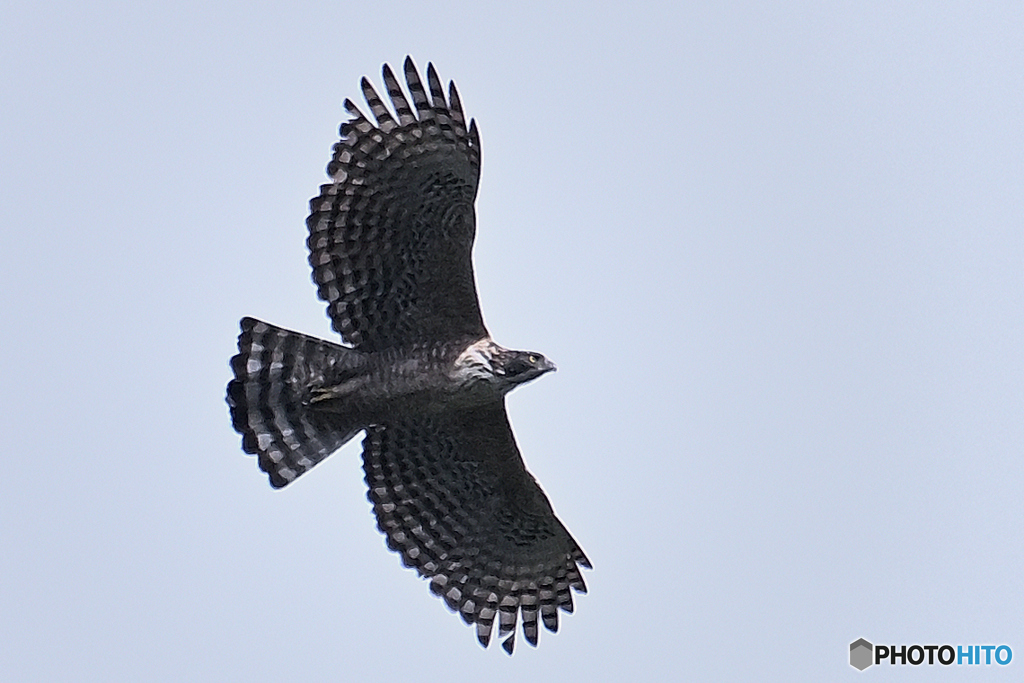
(476,361)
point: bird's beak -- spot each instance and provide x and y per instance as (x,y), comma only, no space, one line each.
(548,366)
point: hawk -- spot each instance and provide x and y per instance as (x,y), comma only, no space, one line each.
(390,244)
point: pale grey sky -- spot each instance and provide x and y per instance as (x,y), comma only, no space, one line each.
(776,252)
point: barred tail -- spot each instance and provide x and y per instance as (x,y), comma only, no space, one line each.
(275,371)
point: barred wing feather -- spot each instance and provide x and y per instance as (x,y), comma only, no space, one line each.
(391,237)
(453,497)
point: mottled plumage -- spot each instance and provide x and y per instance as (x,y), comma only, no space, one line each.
(390,241)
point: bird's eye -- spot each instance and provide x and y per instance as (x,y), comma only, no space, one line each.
(533,358)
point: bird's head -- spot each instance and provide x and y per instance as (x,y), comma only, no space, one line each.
(519,367)
(484,363)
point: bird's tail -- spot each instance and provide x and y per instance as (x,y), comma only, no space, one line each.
(275,372)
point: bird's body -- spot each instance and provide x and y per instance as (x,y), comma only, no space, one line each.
(390,243)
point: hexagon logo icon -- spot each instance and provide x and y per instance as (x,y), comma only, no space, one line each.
(861,654)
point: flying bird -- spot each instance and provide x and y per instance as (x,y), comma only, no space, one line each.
(390,244)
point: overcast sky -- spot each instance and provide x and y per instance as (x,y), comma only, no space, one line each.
(776,253)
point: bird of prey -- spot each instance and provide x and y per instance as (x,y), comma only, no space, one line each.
(390,243)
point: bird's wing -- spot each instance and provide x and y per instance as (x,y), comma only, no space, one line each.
(391,238)
(452,495)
